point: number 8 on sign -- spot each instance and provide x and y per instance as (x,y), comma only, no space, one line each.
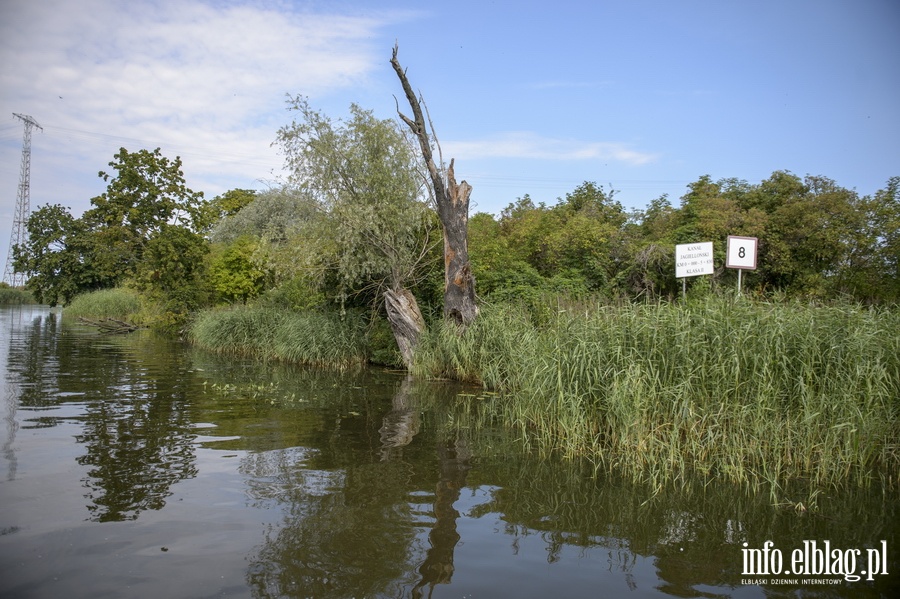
(741,252)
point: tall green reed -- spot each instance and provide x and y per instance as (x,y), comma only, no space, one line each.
(120,302)
(752,393)
(12,296)
(312,338)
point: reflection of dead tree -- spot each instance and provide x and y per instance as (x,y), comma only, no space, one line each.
(398,429)
(438,565)
(402,423)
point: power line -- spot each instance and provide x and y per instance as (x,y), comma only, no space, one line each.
(23,204)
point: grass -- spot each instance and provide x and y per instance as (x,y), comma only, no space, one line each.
(313,338)
(10,296)
(120,303)
(751,393)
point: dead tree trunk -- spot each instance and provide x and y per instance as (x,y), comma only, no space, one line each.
(452,201)
(406,322)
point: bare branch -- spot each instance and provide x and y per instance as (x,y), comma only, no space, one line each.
(417,125)
(452,202)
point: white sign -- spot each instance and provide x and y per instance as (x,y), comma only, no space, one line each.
(692,259)
(741,252)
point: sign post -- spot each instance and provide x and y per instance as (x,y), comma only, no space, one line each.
(691,260)
(741,254)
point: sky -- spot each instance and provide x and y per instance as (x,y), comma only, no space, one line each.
(639,96)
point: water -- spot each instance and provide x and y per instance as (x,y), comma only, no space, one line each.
(133,466)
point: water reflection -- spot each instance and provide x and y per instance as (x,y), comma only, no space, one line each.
(346,527)
(136,433)
(365,484)
(402,423)
(399,427)
(137,445)
(437,567)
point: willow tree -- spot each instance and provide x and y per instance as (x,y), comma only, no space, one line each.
(363,173)
(452,203)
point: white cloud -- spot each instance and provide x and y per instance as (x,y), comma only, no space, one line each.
(519,144)
(200,79)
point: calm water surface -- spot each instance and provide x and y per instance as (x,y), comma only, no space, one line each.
(137,467)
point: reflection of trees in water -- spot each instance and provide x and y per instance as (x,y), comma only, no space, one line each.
(21,324)
(693,534)
(344,534)
(138,438)
(347,527)
(352,526)
(33,359)
(138,447)
(563,505)
(402,423)
(399,427)
(136,433)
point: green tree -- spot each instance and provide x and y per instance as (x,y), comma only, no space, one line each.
(816,239)
(588,236)
(711,211)
(146,193)
(525,225)
(809,226)
(233,201)
(364,174)
(234,273)
(146,207)
(227,204)
(871,267)
(280,244)
(576,244)
(272,217)
(499,267)
(651,260)
(56,256)
(173,272)
(884,209)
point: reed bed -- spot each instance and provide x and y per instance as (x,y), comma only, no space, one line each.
(311,338)
(119,303)
(747,392)
(12,296)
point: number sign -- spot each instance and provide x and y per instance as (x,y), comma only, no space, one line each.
(741,252)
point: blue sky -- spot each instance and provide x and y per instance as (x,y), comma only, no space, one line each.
(528,97)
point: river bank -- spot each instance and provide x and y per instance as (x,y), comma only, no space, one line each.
(772,396)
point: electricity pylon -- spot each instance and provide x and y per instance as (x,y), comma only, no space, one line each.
(23,204)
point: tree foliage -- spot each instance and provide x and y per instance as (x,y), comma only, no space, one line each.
(272,216)
(816,240)
(363,175)
(355,221)
(235,272)
(141,230)
(54,256)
